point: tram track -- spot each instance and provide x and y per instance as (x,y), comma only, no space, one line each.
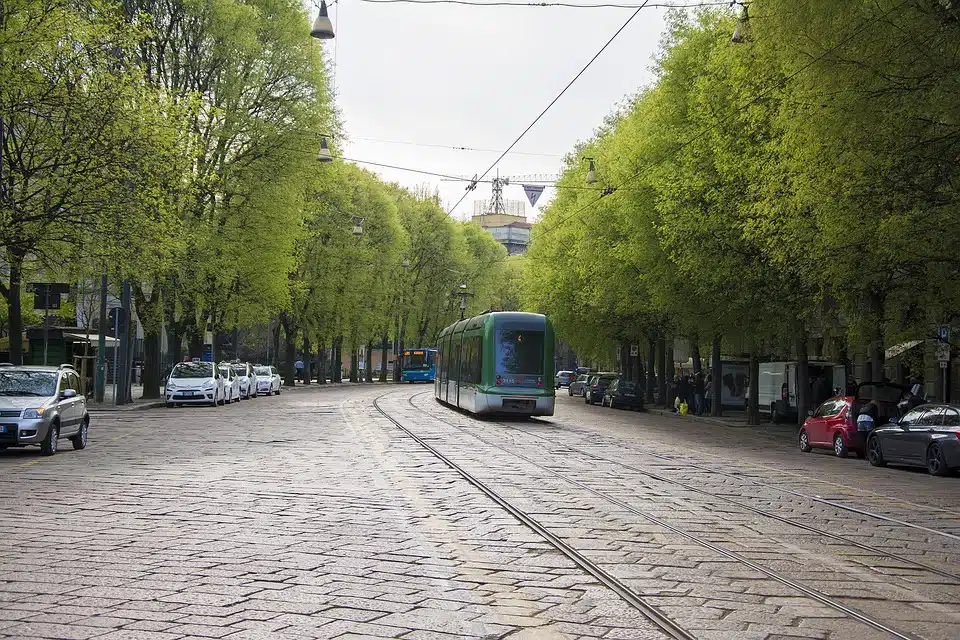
(883,553)
(777,576)
(759,483)
(633,598)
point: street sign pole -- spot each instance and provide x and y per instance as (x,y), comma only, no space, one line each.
(116,335)
(46,328)
(101,379)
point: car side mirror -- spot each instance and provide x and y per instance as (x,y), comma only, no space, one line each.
(810,413)
(893,420)
(68,393)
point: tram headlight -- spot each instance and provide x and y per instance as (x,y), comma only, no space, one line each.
(539,383)
(499,380)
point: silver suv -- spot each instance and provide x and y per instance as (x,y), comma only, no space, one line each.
(41,405)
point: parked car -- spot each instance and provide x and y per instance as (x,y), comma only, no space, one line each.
(248,379)
(593,392)
(231,384)
(833,425)
(622,393)
(564,378)
(195,382)
(928,436)
(578,386)
(268,379)
(41,405)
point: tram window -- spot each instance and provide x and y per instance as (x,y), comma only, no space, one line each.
(520,352)
(472,359)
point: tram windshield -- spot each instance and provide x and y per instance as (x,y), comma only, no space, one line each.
(417,359)
(520,352)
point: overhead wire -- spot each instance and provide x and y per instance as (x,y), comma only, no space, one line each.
(568,5)
(457,147)
(610,190)
(553,102)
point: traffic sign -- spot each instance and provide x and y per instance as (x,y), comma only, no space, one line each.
(46,295)
(943,334)
(634,349)
(943,352)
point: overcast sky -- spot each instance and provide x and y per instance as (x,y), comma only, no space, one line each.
(476,77)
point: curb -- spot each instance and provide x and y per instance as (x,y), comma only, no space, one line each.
(136,406)
(705,419)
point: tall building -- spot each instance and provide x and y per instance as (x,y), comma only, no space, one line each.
(511,231)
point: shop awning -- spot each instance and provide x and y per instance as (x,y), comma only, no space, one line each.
(93,339)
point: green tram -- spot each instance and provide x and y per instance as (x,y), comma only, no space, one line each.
(499,362)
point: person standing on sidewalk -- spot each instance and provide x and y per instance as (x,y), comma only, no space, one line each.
(298,365)
(698,393)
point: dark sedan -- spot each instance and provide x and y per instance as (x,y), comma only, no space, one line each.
(928,436)
(594,390)
(622,394)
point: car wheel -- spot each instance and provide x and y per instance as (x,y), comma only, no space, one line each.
(805,442)
(215,401)
(774,418)
(80,440)
(570,391)
(839,448)
(936,464)
(875,452)
(170,405)
(49,445)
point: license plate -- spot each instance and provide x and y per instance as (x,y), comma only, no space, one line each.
(189,393)
(630,395)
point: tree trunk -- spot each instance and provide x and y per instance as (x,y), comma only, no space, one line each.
(716,379)
(662,352)
(151,364)
(236,342)
(875,352)
(290,356)
(353,363)
(195,345)
(803,377)
(276,346)
(651,369)
(396,349)
(753,415)
(384,353)
(322,364)
(368,370)
(307,361)
(14,310)
(695,354)
(338,359)
(637,366)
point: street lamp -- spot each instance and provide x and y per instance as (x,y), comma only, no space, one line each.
(357,225)
(324,154)
(322,27)
(591,171)
(406,263)
(743,27)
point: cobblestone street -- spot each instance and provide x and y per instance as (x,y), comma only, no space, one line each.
(322,513)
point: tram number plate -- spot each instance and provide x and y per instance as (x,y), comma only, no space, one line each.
(519,404)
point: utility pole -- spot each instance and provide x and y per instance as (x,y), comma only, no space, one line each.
(123,389)
(100,384)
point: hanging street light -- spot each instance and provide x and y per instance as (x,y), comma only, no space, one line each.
(591,172)
(357,226)
(324,155)
(743,27)
(322,27)
(406,263)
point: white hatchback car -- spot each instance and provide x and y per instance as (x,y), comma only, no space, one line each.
(195,383)
(268,379)
(231,383)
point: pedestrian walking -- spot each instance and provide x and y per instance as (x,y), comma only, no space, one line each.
(699,387)
(708,393)
(298,365)
(675,394)
(685,390)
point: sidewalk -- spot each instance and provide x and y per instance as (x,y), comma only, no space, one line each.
(731,418)
(137,404)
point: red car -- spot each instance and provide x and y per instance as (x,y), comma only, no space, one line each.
(834,423)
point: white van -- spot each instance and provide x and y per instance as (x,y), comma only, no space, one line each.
(777,389)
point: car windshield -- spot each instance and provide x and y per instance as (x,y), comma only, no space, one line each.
(626,385)
(192,370)
(604,382)
(262,371)
(28,383)
(225,372)
(240,370)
